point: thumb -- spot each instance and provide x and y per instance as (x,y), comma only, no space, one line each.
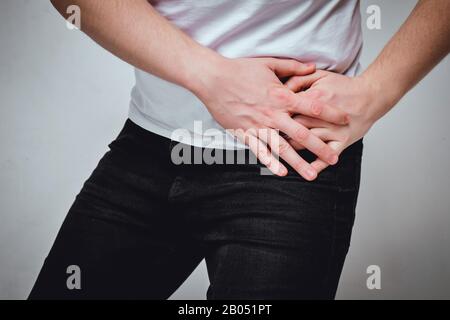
(299,83)
(289,67)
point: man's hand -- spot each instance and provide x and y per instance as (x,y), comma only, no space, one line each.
(246,93)
(421,43)
(247,96)
(356,96)
(240,93)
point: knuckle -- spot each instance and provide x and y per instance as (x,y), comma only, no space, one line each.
(346,119)
(280,95)
(262,155)
(253,133)
(267,160)
(277,93)
(306,104)
(294,82)
(298,166)
(316,107)
(283,148)
(315,93)
(301,134)
(263,134)
(270,122)
(268,112)
(292,64)
(325,151)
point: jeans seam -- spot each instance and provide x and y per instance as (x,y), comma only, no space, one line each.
(212,282)
(333,232)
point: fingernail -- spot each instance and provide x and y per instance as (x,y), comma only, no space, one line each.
(310,173)
(310,64)
(333,159)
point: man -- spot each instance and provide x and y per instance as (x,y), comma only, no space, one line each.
(141,223)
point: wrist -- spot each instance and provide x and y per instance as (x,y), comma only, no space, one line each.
(380,98)
(204,66)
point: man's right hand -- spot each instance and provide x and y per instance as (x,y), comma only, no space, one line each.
(246,96)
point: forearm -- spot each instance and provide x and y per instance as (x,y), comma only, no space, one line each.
(420,44)
(135,32)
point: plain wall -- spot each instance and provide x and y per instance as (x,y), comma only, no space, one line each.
(63,99)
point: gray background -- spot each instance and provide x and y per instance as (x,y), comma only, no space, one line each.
(63,99)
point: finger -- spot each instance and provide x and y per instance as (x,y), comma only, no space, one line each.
(284,150)
(309,122)
(298,83)
(289,67)
(307,103)
(262,153)
(323,134)
(320,165)
(302,135)
(297,146)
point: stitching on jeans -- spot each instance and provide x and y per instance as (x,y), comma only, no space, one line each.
(333,233)
(333,242)
(213,281)
(332,247)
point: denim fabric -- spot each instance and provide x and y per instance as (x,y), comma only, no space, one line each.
(141,224)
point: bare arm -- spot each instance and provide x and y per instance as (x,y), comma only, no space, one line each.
(420,44)
(135,32)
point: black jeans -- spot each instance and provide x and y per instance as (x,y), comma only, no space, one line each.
(141,224)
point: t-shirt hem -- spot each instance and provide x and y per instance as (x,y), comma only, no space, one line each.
(149,124)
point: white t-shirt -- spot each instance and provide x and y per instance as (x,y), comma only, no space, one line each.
(326,32)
